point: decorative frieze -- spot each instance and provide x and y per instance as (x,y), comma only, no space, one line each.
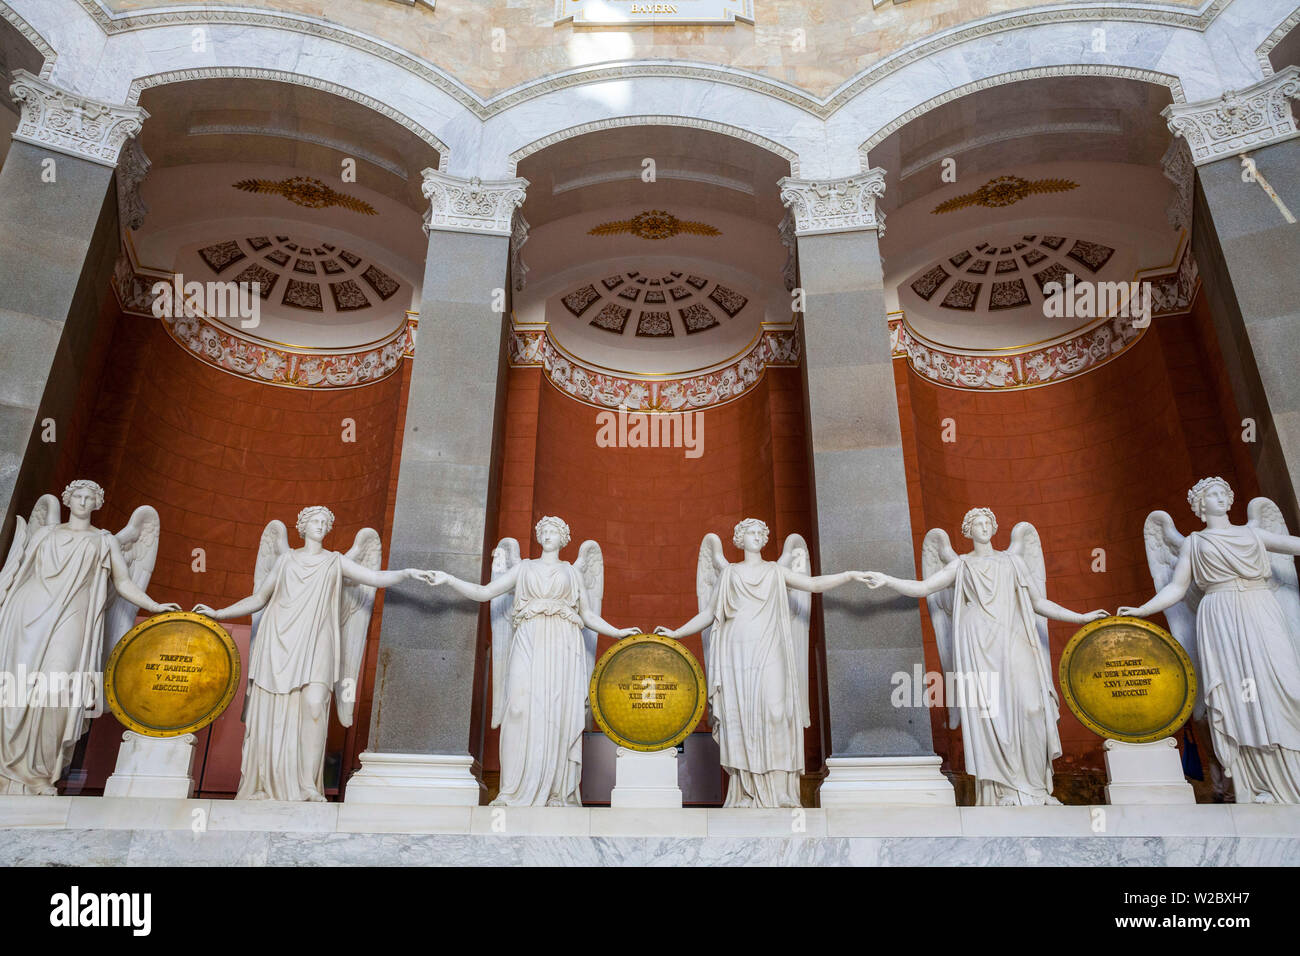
(1240,120)
(835,205)
(534,347)
(604,13)
(65,122)
(457,204)
(132,168)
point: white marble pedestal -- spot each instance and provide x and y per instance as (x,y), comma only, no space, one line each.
(914,781)
(152,767)
(1146,773)
(422,780)
(645,779)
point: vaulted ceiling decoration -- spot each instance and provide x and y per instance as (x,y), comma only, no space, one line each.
(654,224)
(995,276)
(655,306)
(312,276)
(308,192)
(1004,191)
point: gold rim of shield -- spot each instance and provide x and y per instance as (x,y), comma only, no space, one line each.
(700,702)
(110,692)
(1063,672)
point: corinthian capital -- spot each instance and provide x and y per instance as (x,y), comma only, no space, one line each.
(471,205)
(56,119)
(835,205)
(1240,120)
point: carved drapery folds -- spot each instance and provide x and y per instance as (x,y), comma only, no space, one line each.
(457,204)
(1239,120)
(65,122)
(835,205)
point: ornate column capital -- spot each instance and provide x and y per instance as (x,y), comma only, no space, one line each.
(457,204)
(835,205)
(132,168)
(56,119)
(1240,120)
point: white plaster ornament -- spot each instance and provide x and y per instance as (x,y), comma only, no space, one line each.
(1230,595)
(989,609)
(68,592)
(311,609)
(754,618)
(545,617)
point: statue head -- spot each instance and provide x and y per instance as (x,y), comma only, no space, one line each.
(552,533)
(83,497)
(1210,496)
(979,524)
(315,522)
(750,535)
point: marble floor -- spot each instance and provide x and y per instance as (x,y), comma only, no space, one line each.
(104,831)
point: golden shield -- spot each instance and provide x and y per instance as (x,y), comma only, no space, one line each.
(647,692)
(1128,679)
(172,674)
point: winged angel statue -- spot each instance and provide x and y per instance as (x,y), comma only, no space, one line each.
(545,617)
(68,592)
(989,610)
(311,610)
(1231,598)
(753,620)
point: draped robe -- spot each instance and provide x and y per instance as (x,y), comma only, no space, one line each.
(1250,664)
(546,690)
(754,696)
(51,622)
(297,645)
(1008,703)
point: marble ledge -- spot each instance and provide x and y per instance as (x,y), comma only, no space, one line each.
(230,816)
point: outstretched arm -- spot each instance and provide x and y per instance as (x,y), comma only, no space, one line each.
(916,589)
(127,588)
(1280,543)
(379,579)
(477,592)
(696,624)
(254,602)
(823,582)
(1057,613)
(598,624)
(1171,593)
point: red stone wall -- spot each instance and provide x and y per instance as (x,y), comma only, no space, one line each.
(219,456)
(1086,460)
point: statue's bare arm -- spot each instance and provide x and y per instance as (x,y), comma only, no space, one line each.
(254,602)
(821,583)
(126,587)
(1280,543)
(1171,593)
(598,624)
(916,589)
(477,592)
(380,579)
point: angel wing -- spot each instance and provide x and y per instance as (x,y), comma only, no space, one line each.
(1028,546)
(1263,514)
(707,571)
(358,602)
(505,558)
(139,544)
(795,557)
(591,566)
(274,543)
(937,554)
(1164,544)
(46,512)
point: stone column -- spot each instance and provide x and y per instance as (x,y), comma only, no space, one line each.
(1247,159)
(58,242)
(880,754)
(445,518)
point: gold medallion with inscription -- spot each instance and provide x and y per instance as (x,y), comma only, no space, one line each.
(1128,679)
(172,674)
(647,692)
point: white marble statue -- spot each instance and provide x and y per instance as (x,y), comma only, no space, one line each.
(989,611)
(754,618)
(68,592)
(545,618)
(1238,584)
(311,610)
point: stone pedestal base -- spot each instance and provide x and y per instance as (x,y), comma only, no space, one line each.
(886,781)
(645,779)
(1146,773)
(435,780)
(152,767)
